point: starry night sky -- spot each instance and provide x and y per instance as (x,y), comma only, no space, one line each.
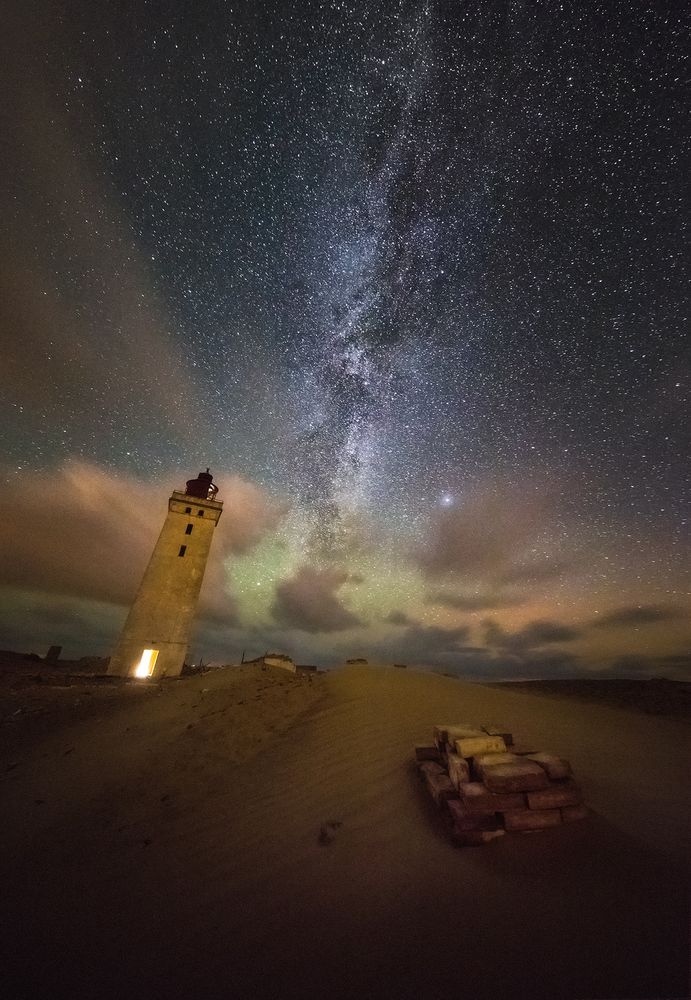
(409,277)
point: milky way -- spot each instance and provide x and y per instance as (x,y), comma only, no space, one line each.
(409,267)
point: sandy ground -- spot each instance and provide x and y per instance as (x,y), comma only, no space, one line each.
(165,842)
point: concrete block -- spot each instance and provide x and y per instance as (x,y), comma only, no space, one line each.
(483,759)
(523,749)
(556,796)
(440,788)
(466,820)
(474,838)
(523,776)
(463,729)
(459,772)
(453,731)
(426,767)
(532,819)
(493,730)
(507,757)
(557,768)
(441,735)
(478,800)
(570,814)
(471,746)
(427,753)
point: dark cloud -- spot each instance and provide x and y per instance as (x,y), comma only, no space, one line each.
(31,622)
(448,651)
(398,618)
(475,602)
(480,665)
(487,535)
(249,513)
(531,636)
(88,533)
(309,601)
(673,667)
(676,661)
(422,645)
(557,663)
(637,615)
(432,640)
(632,665)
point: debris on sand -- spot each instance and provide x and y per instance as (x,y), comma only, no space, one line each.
(327,832)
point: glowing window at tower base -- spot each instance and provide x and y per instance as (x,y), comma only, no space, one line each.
(145,667)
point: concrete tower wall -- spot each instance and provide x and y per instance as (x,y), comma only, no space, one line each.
(162,615)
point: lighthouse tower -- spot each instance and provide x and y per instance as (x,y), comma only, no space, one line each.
(156,635)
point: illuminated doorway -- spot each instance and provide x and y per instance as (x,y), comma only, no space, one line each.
(145,667)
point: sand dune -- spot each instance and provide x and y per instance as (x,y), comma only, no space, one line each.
(143,858)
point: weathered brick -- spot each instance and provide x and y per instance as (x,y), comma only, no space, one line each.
(427,753)
(556,767)
(466,820)
(556,796)
(478,799)
(440,787)
(426,767)
(532,819)
(485,759)
(523,749)
(505,757)
(493,730)
(523,776)
(571,813)
(459,772)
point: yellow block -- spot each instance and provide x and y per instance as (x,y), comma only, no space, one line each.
(455,731)
(471,746)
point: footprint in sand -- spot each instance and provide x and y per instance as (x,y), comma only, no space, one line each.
(327,832)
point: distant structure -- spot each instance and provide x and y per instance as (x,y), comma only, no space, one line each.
(156,635)
(281,660)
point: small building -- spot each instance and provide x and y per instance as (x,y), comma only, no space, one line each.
(279,660)
(273,660)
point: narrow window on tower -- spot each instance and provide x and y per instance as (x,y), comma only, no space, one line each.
(200,513)
(188,510)
(183,549)
(188,529)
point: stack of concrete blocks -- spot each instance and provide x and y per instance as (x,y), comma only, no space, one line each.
(490,786)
